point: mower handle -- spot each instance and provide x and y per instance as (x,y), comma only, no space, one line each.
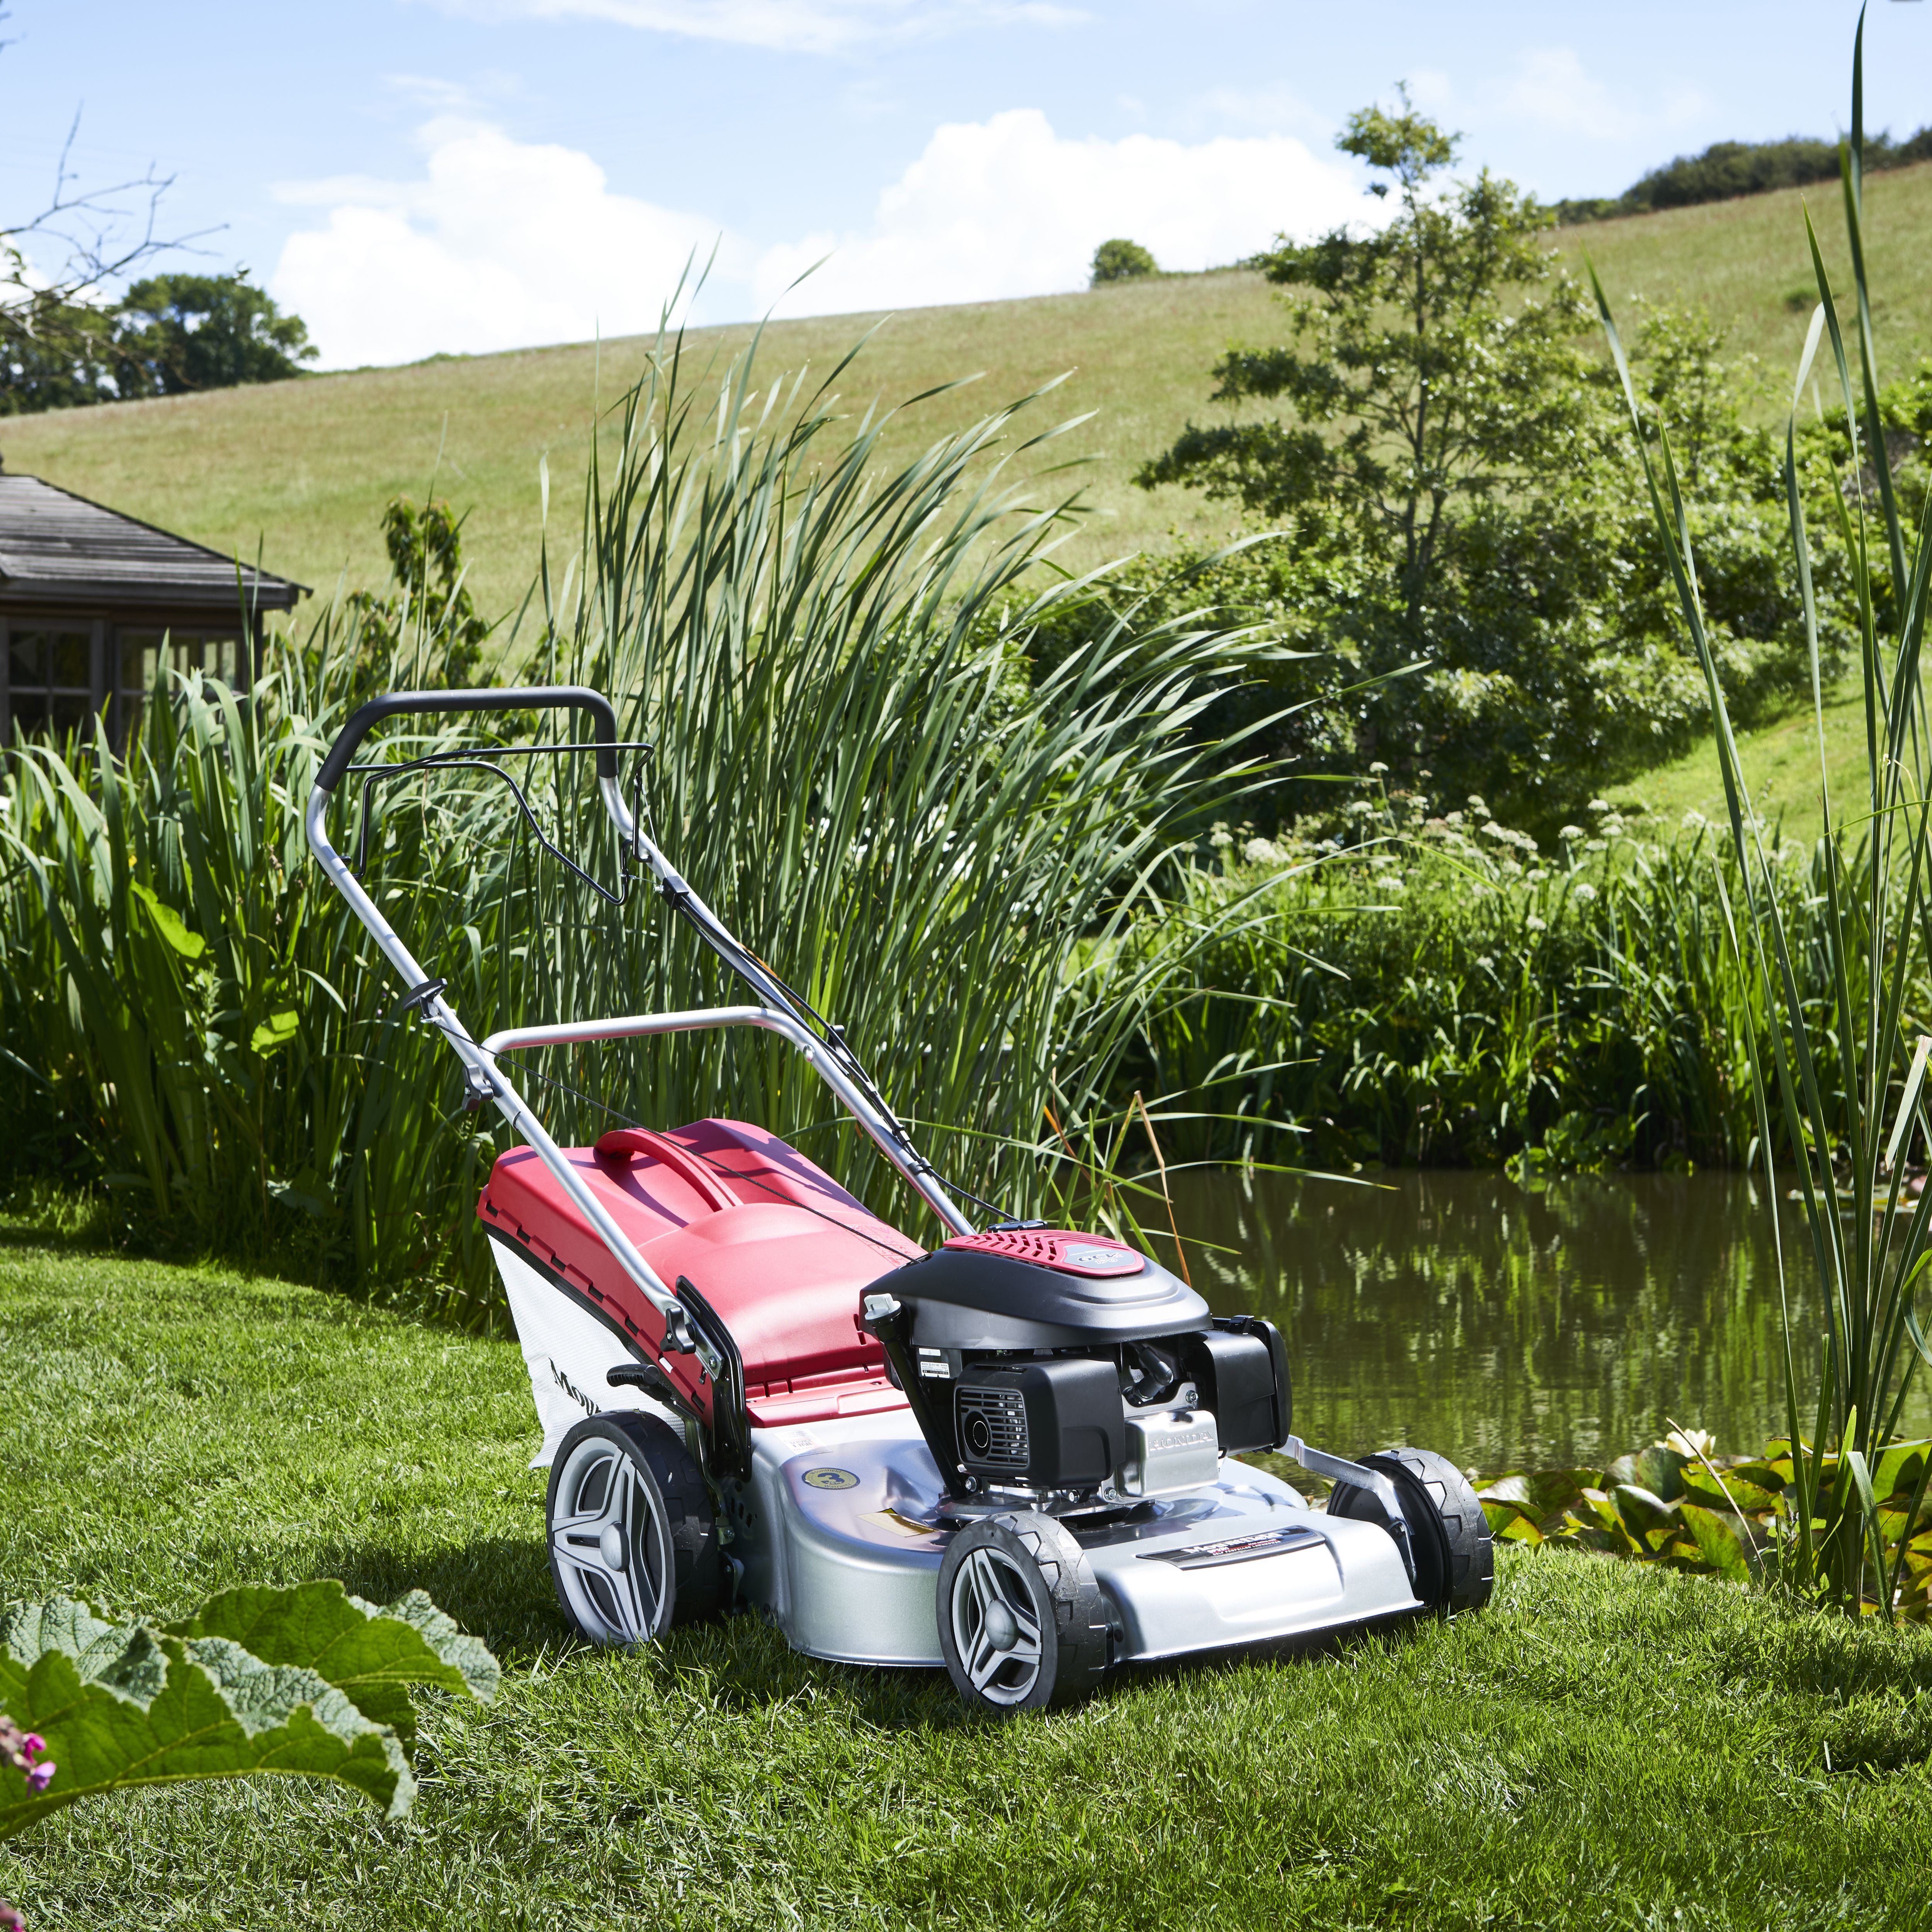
(540,697)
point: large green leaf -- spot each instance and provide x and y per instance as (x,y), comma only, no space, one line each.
(1716,1537)
(168,923)
(372,1655)
(126,1705)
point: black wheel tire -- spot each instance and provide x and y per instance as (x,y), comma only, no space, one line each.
(1455,1556)
(633,1543)
(1057,1650)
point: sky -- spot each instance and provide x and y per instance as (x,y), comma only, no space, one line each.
(418,176)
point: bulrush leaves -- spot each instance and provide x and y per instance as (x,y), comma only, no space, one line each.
(854,764)
(309,1681)
(1871,945)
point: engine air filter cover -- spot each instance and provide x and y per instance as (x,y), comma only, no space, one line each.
(1039,1288)
(1090,1254)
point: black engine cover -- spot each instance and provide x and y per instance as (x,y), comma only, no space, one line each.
(1048,1425)
(963,1299)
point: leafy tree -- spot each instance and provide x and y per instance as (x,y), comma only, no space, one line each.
(55,356)
(1121,261)
(169,334)
(176,333)
(428,617)
(1441,396)
(1460,545)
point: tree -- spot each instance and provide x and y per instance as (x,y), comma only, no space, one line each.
(180,332)
(81,239)
(1121,261)
(429,615)
(1442,396)
(1462,546)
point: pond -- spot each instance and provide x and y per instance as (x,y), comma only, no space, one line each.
(1507,1326)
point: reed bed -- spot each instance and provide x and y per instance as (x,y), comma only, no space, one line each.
(1439,992)
(824,653)
(1846,1074)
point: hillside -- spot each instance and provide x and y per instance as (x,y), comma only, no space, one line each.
(304,468)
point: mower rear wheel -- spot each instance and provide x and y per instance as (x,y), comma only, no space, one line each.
(1455,1556)
(633,1545)
(1022,1623)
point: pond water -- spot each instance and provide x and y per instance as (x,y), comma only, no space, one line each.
(1512,1327)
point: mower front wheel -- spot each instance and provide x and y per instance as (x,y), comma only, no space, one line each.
(1455,1557)
(633,1543)
(1022,1622)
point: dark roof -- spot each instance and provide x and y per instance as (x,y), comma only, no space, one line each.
(57,547)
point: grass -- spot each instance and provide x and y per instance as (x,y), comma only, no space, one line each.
(1780,761)
(1604,1746)
(304,468)
(1747,261)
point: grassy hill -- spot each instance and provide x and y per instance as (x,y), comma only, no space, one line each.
(306,467)
(303,469)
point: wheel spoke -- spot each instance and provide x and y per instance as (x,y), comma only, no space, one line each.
(984,1662)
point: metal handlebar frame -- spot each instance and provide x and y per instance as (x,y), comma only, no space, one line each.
(487,1080)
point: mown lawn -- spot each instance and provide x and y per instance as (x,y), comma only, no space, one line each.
(1604,1748)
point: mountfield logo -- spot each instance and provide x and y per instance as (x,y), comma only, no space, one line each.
(571,1389)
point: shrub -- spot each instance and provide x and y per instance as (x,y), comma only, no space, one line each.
(1121,261)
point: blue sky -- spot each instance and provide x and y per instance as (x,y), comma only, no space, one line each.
(414,175)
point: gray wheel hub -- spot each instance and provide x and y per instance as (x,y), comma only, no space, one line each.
(994,1627)
(612,1545)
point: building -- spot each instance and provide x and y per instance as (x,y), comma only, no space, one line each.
(95,606)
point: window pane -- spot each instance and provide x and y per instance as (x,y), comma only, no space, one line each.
(72,712)
(30,710)
(140,655)
(27,656)
(72,669)
(221,657)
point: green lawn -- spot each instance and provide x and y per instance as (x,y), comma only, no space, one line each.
(303,469)
(1605,1747)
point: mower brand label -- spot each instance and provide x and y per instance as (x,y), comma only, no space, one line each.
(1090,1256)
(571,1389)
(1235,1549)
(830,1479)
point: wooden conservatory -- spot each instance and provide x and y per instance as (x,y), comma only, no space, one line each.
(94,606)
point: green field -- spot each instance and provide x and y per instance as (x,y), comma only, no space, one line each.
(303,469)
(1604,1746)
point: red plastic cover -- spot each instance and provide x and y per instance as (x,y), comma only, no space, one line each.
(779,1251)
(1093,1255)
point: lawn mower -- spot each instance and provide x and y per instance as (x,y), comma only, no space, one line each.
(1010,1455)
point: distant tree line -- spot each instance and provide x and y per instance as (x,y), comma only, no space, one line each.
(167,336)
(1727,170)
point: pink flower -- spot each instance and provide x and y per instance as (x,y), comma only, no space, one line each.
(39,1777)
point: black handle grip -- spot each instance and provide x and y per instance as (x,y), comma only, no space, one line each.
(543,697)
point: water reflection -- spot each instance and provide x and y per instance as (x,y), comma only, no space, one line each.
(1506,1326)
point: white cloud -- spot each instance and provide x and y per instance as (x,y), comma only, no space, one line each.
(1006,207)
(1552,88)
(503,244)
(791,26)
(500,244)
(1272,107)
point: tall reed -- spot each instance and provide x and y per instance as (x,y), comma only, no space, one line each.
(1873,942)
(849,763)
